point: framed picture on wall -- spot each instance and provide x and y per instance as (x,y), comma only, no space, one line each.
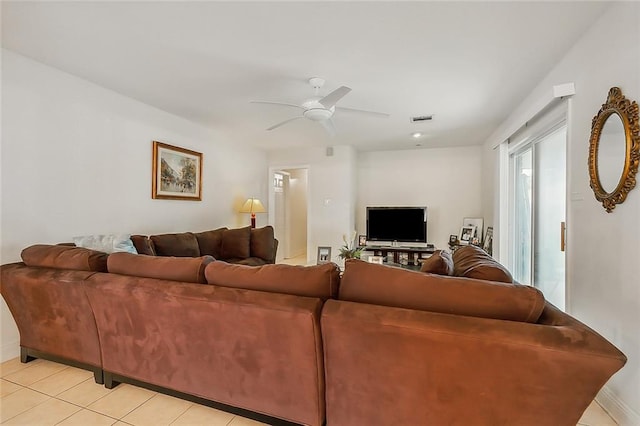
(177,173)
(324,255)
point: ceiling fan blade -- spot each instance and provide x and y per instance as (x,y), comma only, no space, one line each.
(275,103)
(275,126)
(361,111)
(333,97)
(329,127)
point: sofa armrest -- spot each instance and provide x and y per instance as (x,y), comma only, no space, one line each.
(433,368)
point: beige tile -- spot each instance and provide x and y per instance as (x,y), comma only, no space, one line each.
(121,401)
(159,410)
(87,417)
(19,402)
(13,365)
(7,388)
(596,416)
(49,412)
(61,381)
(243,421)
(85,393)
(32,374)
(200,415)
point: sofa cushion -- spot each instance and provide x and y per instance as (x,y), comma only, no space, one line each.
(236,243)
(143,245)
(440,262)
(249,261)
(186,269)
(384,285)
(184,244)
(262,243)
(314,281)
(210,242)
(473,262)
(65,257)
(111,243)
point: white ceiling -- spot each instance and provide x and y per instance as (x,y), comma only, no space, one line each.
(467,63)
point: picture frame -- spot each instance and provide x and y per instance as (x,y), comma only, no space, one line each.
(376,259)
(488,240)
(466,234)
(362,240)
(478,222)
(453,239)
(324,255)
(177,173)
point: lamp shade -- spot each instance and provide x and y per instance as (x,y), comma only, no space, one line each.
(252,205)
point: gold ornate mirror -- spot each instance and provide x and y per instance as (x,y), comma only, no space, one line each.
(614,149)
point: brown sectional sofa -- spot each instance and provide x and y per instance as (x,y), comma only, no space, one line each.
(377,346)
(246,246)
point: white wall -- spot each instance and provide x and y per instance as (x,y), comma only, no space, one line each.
(76,159)
(331,184)
(446,180)
(603,262)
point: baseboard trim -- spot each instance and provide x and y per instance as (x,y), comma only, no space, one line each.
(621,412)
(9,350)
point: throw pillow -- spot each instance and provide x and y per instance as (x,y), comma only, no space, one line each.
(65,257)
(236,243)
(314,281)
(143,245)
(440,262)
(473,262)
(185,269)
(263,243)
(183,244)
(388,286)
(107,243)
(210,242)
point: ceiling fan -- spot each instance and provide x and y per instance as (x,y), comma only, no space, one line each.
(319,108)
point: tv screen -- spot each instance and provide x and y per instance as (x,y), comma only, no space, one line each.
(402,224)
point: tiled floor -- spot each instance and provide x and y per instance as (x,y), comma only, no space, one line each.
(47,393)
(298,260)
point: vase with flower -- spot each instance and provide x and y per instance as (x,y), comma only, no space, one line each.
(349,250)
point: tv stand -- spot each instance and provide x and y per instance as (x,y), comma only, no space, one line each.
(396,254)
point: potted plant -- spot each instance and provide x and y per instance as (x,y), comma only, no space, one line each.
(349,249)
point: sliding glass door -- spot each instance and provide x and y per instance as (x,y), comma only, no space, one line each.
(538,205)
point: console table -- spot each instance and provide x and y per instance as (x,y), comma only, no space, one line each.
(401,256)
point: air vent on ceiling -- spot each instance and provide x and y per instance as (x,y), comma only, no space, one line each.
(421,118)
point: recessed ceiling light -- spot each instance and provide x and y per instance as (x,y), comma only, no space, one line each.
(416,135)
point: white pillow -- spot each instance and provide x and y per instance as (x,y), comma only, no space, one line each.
(106,243)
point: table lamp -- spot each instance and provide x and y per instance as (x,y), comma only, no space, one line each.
(253,206)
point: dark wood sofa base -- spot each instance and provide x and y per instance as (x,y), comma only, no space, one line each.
(112,380)
(28,355)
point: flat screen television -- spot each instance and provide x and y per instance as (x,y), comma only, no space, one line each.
(401,224)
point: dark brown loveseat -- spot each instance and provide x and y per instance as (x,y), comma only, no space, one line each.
(378,346)
(245,246)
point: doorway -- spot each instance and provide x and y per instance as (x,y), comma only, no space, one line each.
(538,211)
(289,213)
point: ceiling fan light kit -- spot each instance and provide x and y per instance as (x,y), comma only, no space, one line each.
(320,109)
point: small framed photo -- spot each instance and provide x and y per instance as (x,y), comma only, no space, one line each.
(362,240)
(466,234)
(453,239)
(324,255)
(488,240)
(478,222)
(375,259)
